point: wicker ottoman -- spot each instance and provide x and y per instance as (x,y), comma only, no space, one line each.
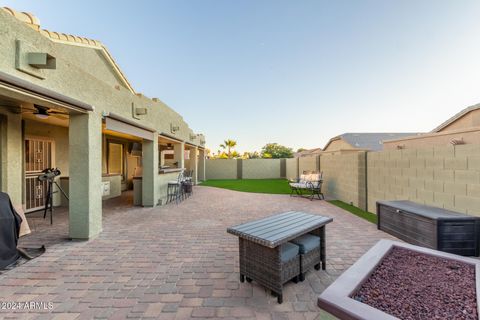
(310,257)
(270,267)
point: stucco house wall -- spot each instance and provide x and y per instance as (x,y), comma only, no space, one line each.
(86,72)
(462,128)
(337,145)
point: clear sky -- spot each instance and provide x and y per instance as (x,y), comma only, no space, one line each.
(292,72)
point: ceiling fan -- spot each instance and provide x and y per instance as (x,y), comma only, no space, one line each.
(42,112)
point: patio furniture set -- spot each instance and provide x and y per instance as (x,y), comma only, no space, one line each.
(309,185)
(180,189)
(280,248)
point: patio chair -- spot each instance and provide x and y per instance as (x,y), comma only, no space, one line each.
(187,183)
(175,189)
(271,268)
(308,186)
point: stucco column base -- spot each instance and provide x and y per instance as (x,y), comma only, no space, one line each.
(85,156)
(11,172)
(194,164)
(150,172)
(201,165)
(179,154)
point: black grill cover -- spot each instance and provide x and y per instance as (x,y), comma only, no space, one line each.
(9,230)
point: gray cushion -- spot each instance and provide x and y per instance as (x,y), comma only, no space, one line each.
(288,251)
(307,242)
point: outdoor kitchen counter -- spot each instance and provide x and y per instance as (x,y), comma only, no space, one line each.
(115,187)
(169,170)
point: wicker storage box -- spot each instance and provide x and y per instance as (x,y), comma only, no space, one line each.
(430,227)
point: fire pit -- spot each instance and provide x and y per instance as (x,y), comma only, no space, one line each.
(394,280)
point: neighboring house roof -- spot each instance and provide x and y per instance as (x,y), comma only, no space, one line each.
(369,141)
(307,152)
(456,117)
(34,23)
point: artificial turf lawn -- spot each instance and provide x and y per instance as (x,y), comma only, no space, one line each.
(356,211)
(272,186)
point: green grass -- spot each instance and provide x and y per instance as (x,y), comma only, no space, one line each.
(356,211)
(279,186)
(273,186)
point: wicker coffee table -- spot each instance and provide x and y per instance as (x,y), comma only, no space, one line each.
(260,242)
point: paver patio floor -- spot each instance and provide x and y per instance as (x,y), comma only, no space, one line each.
(175,262)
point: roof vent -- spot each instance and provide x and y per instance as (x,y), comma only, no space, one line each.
(457,141)
(173,128)
(41,60)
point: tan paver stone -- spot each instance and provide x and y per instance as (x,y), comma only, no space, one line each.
(175,262)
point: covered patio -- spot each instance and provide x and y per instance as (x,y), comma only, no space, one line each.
(176,262)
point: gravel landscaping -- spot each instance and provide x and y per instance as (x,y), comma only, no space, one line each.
(412,286)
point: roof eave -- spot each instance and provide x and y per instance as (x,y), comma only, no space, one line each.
(456,117)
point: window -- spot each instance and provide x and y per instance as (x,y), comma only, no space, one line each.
(115,158)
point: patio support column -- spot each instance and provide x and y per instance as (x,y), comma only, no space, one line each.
(11,144)
(201,165)
(194,164)
(179,154)
(85,156)
(150,172)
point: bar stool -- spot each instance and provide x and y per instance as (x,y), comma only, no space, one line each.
(175,189)
(188,183)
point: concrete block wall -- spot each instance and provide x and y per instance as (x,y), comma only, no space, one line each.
(291,168)
(221,169)
(261,169)
(344,177)
(446,177)
(308,164)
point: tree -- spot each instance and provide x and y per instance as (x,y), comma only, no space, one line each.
(254,155)
(228,144)
(222,155)
(301,149)
(276,151)
(251,155)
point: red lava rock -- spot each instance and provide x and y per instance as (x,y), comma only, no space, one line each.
(417,286)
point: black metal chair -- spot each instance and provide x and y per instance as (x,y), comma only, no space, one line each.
(175,189)
(188,183)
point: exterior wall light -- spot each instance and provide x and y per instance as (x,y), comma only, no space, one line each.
(41,116)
